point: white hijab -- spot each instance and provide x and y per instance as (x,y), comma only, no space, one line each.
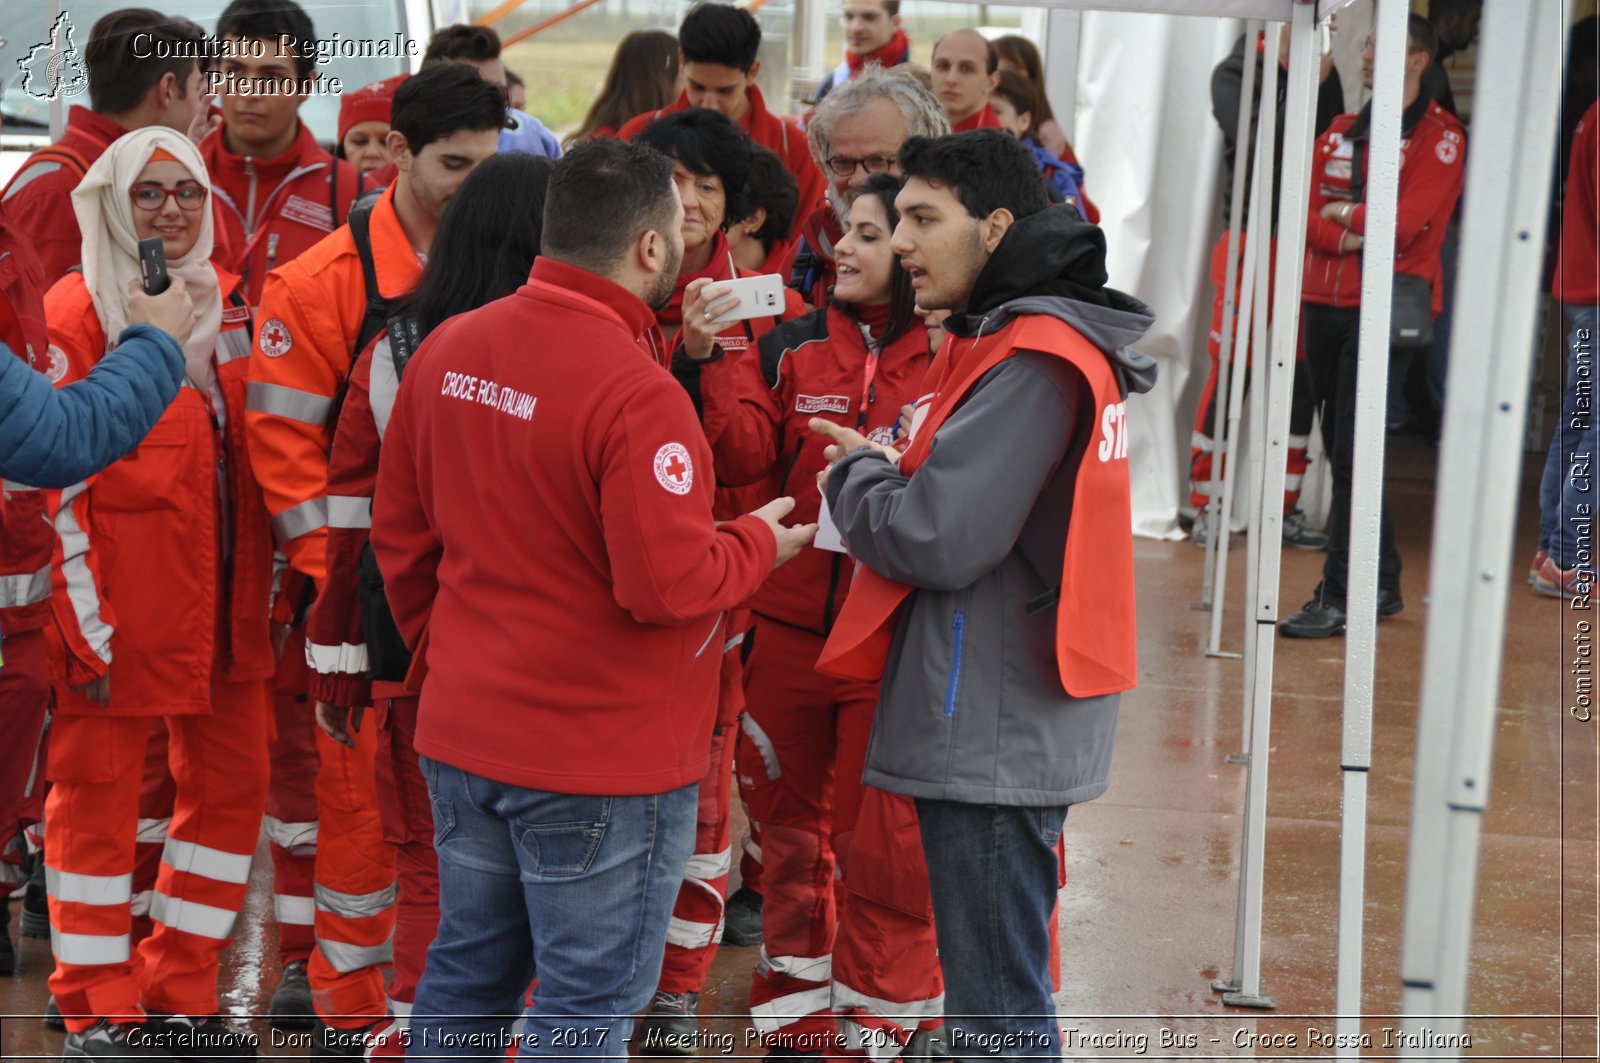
(111,245)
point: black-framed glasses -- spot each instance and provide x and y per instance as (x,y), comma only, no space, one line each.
(149,196)
(844,165)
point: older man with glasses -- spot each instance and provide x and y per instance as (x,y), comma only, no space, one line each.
(856,132)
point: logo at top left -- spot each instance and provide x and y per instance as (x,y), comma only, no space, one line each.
(55,68)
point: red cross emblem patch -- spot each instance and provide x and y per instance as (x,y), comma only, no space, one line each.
(674,469)
(275,339)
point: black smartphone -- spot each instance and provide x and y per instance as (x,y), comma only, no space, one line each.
(153,266)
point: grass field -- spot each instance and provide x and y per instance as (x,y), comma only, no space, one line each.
(564,66)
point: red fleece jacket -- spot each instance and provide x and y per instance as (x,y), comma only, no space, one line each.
(543,522)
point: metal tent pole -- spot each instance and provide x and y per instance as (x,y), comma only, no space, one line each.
(1253,322)
(1303,70)
(1366,500)
(1225,443)
(1515,106)
(1213,592)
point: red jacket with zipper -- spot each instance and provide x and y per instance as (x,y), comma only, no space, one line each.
(757,410)
(156,581)
(272,210)
(1432,164)
(545,533)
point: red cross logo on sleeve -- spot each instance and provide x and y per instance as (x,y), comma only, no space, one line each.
(275,339)
(674,468)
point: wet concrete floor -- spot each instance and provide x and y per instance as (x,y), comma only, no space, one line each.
(1152,877)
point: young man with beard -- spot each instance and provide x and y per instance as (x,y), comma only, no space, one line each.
(994,590)
(872,35)
(854,133)
(446,119)
(568,619)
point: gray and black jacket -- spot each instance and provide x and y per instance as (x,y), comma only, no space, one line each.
(972,707)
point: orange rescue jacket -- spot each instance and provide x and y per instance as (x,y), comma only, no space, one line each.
(163,561)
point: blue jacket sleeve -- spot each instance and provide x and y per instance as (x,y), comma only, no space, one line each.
(55,438)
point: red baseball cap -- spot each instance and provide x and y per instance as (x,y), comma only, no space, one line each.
(369,103)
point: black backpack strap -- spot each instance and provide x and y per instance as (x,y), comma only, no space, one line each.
(403,341)
(378,308)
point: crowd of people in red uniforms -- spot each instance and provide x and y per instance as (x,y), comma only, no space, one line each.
(225,658)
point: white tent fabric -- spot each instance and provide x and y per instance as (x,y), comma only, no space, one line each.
(1153,156)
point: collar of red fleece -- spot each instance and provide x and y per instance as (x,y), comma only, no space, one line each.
(897,51)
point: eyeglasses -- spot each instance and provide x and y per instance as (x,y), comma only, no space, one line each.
(150,197)
(845,166)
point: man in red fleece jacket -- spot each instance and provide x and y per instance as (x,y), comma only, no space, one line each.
(566,592)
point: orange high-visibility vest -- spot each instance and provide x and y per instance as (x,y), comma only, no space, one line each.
(1095,626)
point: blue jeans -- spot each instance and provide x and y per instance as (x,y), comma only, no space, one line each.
(1559,492)
(992,870)
(581,886)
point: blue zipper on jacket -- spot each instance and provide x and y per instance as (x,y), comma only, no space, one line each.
(957,627)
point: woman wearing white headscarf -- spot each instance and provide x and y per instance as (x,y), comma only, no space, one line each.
(161,600)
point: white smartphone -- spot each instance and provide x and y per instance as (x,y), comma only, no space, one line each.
(760,296)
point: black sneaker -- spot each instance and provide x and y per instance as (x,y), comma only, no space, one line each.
(198,1037)
(741,918)
(35,921)
(334,1043)
(52,1016)
(671,1027)
(290,1007)
(1317,619)
(109,1040)
(1301,535)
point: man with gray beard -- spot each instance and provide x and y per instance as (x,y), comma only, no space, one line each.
(857,131)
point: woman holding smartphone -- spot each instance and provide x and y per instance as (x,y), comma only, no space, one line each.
(856,361)
(161,600)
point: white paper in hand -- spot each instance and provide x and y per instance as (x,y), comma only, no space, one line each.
(827,532)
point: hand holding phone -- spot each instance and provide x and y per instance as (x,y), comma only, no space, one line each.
(172,311)
(759,296)
(153,265)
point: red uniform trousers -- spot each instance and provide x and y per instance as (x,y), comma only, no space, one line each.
(96,769)
(158,796)
(407,815)
(355,886)
(807,741)
(291,821)
(696,926)
(24,705)
(1301,408)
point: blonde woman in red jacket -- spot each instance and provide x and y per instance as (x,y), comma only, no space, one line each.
(858,944)
(161,590)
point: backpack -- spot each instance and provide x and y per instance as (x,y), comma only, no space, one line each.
(387,656)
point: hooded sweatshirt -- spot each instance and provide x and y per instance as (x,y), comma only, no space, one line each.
(973,706)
